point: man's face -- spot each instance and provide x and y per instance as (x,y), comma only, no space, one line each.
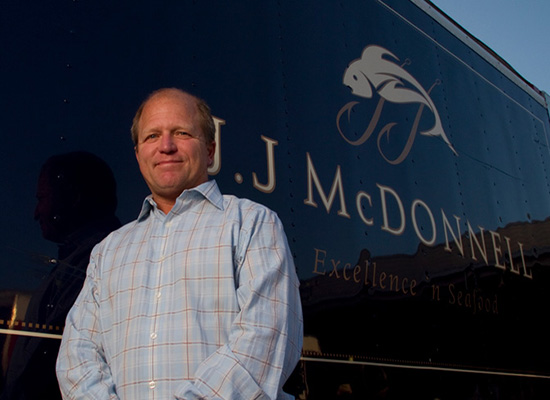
(171,151)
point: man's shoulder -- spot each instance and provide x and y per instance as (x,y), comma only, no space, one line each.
(231,202)
(247,208)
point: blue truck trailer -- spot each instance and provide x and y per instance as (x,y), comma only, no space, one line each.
(407,161)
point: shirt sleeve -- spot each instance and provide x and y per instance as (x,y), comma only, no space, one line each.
(82,370)
(265,341)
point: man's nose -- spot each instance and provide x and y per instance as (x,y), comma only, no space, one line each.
(167,144)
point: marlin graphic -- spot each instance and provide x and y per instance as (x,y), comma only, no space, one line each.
(373,71)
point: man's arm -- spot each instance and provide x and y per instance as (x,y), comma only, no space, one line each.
(82,371)
(265,341)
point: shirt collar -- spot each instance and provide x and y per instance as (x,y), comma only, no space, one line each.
(208,190)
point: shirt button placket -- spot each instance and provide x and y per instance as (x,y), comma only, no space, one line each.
(159,255)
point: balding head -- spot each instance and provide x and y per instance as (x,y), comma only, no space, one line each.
(205,117)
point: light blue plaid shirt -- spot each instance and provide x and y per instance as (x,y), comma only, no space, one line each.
(200,303)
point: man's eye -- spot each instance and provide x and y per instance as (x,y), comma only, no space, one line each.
(151,136)
(183,134)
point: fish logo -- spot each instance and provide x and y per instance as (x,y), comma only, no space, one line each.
(377,71)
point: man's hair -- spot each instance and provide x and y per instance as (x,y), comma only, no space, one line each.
(206,121)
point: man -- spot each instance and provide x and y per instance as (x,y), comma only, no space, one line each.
(76,209)
(196,299)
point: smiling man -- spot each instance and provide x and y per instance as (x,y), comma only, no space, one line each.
(172,147)
(196,299)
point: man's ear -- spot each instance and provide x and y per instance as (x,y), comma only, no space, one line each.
(211,149)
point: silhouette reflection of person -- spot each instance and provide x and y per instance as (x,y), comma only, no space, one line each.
(76,209)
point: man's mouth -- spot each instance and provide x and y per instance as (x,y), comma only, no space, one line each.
(167,163)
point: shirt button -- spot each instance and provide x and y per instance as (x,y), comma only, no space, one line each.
(152,385)
(153,335)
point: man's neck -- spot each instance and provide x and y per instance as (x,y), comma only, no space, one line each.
(164,205)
